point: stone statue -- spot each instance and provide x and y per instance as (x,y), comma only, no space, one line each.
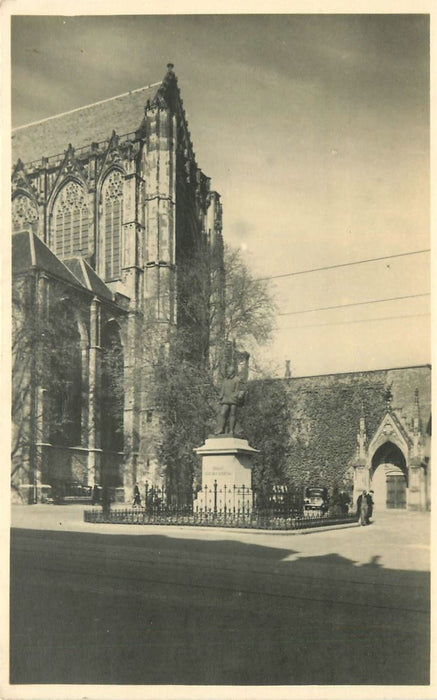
(232,395)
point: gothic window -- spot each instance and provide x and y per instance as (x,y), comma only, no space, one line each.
(24,213)
(112,195)
(70,221)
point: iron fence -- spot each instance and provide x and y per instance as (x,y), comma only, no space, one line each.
(252,520)
(213,506)
(279,501)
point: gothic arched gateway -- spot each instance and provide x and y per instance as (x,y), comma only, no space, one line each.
(393,462)
(389,477)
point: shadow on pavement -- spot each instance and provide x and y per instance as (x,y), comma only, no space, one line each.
(91,608)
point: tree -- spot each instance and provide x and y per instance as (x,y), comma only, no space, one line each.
(222,304)
(112,389)
(184,397)
(266,420)
(249,305)
(46,387)
(184,378)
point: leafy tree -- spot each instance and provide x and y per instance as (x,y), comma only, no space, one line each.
(249,305)
(112,389)
(184,378)
(222,305)
(266,419)
(184,398)
(46,387)
(178,369)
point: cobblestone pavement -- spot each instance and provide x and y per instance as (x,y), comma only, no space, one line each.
(126,604)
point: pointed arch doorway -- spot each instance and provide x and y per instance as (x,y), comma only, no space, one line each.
(389,477)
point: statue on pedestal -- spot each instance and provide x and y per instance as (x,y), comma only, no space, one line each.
(232,395)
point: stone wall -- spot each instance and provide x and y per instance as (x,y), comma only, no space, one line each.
(325,417)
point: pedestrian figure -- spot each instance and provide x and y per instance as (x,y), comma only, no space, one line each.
(369,498)
(137,496)
(95,495)
(362,508)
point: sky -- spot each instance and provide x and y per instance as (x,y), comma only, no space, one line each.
(314,129)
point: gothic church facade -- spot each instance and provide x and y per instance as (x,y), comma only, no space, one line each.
(108,205)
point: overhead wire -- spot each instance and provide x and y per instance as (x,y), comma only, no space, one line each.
(346,264)
(332,267)
(355,303)
(344,323)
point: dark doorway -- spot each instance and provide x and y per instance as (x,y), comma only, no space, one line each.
(389,476)
(396,491)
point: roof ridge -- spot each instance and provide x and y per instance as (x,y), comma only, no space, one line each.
(58,259)
(85,273)
(89,269)
(92,104)
(32,248)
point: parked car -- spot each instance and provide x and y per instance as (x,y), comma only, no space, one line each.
(46,493)
(71,492)
(316,501)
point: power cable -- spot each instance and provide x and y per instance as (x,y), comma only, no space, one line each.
(356,303)
(344,323)
(346,264)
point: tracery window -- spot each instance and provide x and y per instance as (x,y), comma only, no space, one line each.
(112,195)
(70,221)
(24,213)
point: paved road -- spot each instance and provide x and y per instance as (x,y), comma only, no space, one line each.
(156,605)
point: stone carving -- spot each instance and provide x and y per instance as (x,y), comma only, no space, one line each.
(24,213)
(113,153)
(71,165)
(21,181)
(113,186)
(388,428)
(388,396)
(232,395)
(71,196)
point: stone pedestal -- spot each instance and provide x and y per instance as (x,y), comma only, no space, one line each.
(226,473)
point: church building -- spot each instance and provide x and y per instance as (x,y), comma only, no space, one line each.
(108,206)
(109,211)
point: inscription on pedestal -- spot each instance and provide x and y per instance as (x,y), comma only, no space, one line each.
(216,471)
(226,473)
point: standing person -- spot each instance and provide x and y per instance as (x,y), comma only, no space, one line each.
(362,508)
(370,503)
(137,496)
(95,495)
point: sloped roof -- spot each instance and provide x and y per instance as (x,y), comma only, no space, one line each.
(88,277)
(29,251)
(81,126)
(22,257)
